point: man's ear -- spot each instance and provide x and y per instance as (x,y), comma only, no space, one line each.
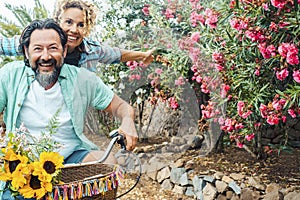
(26,52)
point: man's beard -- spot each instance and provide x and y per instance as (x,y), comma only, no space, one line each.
(46,80)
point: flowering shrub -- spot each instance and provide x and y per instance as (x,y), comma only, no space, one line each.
(244,54)
(30,165)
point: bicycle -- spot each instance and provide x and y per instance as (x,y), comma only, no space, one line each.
(95,180)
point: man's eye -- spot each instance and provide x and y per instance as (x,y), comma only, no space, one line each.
(68,22)
(37,49)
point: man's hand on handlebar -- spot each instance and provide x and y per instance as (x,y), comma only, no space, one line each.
(127,129)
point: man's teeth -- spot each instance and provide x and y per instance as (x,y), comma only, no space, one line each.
(46,64)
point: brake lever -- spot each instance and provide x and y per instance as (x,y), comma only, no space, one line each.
(120,140)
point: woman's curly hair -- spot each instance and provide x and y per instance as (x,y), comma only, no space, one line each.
(89,10)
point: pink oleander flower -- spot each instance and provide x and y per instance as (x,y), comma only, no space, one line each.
(278,3)
(179,81)
(278,104)
(239,126)
(296,75)
(218,57)
(145,9)
(257,72)
(292,58)
(158,71)
(281,75)
(219,67)
(292,113)
(273,119)
(132,64)
(195,36)
(169,13)
(265,6)
(239,145)
(195,18)
(204,88)
(283,118)
(211,18)
(273,27)
(194,53)
(268,51)
(224,90)
(239,24)
(173,103)
(250,137)
(263,110)
(227,126)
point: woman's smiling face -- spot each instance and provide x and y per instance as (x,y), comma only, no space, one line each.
(73,23)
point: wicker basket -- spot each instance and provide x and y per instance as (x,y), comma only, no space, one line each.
(94,181)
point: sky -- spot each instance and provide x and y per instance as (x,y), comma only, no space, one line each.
(49,4)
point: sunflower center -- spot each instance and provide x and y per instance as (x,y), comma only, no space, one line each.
(35,183)
(12,165)
(49,167)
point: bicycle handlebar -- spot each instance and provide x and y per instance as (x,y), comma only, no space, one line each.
(116,137)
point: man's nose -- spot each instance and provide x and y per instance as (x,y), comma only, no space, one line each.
(46,55)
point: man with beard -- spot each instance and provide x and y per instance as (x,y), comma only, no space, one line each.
(32,93)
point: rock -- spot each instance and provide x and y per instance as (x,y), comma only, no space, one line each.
(292,196)
(198,184)
(179,189)
(256,183)
(183,181)
(210,179)
(209,192)
(274,195)
(221,197)
(248,194)
(196,142)
(226,179)
(163,174)
(221,186)
(176,174)
(237,176)
(166,185)
(218,175)
(234,187)
(190,191)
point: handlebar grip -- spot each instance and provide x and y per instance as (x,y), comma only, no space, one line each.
(120,140)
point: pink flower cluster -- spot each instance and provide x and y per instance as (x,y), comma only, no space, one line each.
(290,52)
(195,18)
(267,51)
(242,111)
(273,112)
(239,24)
(219,60)
(229,125)
(173,103)
(211,18)
(145,9)
(136,69)
(209,110)
(169,13)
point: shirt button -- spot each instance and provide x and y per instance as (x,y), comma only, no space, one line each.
(19,104)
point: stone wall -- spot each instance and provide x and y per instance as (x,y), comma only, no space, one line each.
(211,185)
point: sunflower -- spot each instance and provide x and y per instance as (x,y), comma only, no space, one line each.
(35,188)
(13,164)
(51,162)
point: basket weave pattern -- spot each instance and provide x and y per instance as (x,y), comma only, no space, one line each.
(94,181)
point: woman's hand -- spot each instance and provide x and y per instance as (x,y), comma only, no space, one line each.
(148,57)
